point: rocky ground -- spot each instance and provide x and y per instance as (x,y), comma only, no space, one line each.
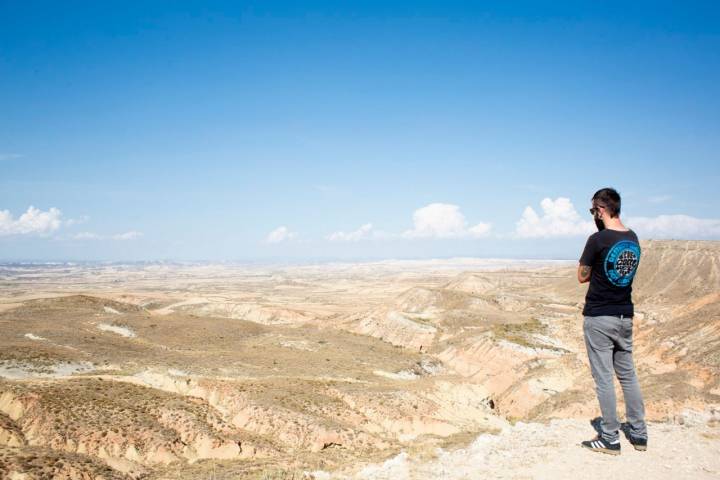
(551,451)
(442,369)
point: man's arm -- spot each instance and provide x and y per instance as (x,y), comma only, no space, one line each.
(583,273)
(587,258)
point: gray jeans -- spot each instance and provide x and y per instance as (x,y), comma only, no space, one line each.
(609,346)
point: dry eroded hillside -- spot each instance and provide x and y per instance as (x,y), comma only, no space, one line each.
(188,371)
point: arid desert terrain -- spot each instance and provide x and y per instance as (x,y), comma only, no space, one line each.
(461,368)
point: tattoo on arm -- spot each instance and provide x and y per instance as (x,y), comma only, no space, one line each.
(585,272)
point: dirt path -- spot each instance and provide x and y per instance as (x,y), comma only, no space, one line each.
(536,451)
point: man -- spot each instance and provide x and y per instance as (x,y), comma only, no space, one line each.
(609,263)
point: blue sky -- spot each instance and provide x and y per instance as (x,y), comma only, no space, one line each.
(351,130)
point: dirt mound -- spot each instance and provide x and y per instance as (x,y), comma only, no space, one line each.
(672,272)
(10,433)
(37,463)
(678,333)
(395,328)
(124,423)
(262,314)
(80,303)
(474,283)
(431,301)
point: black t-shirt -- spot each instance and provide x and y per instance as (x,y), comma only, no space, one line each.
(614,257)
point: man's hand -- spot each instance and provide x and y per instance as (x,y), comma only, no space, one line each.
(583,273)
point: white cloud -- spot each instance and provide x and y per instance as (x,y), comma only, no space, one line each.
(675,226)
(131,235)
(33,221)
(76,221)
(38,222)
(364,232)
(86,236)
(559,219)
(442,220)
(659,198)
(280,234)
(480,230)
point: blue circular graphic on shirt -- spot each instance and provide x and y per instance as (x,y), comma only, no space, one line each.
(621,263)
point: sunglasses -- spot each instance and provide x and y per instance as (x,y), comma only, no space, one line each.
(595,209)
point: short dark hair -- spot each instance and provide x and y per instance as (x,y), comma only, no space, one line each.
(610,199)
